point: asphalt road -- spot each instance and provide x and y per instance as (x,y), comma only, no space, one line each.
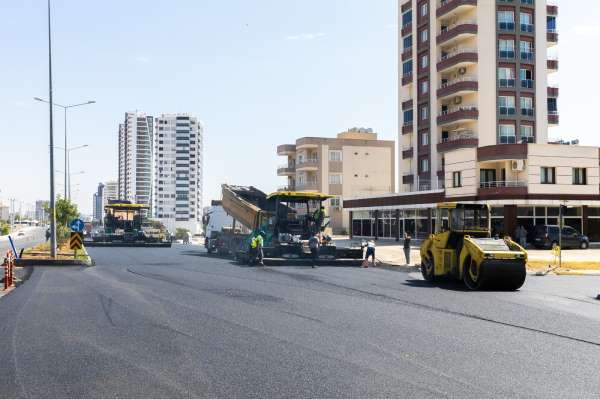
(172,323)
(32,237)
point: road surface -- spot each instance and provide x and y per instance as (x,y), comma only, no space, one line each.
(32,237)
(173,323)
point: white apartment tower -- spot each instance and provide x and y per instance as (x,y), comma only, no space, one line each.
(178,145)
(135,158)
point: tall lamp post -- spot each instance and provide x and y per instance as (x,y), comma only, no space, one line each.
(65,108)
(68,168)
(52,199)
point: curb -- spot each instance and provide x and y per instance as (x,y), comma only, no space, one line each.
(52,262)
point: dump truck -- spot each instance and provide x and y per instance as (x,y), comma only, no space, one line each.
(126,225)
(462,248)
(288,218)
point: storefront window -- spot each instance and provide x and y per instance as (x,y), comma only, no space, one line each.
(594,228)
(526,211)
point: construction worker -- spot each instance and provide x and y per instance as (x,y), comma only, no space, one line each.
(319,217)
(313,244)
(256,248)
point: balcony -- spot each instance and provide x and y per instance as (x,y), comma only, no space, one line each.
(408,104)
(407,153)
(308,164)
(464,139)
(286,149)
(287,188)
(458,87)
(286,170)
(552,37)
(552,9)
(407,79)
(311,185)
(457,7)
(504,189)
(552,65)
(553,119)
(406,29)
(457,32)
(408,179)
(407,53)
(458,115)
(527,56)
(553,92)
(457,59)
(407,128)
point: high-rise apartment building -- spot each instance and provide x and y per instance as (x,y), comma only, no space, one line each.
(135,158)
(106,192)
(40,211)
(475,106)
(178,168)
(353,164)
(111,191)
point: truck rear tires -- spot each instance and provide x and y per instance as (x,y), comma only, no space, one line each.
(428,269)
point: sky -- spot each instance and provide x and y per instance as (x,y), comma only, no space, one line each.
(258,73)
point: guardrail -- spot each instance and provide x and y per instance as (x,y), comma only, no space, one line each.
(502,183)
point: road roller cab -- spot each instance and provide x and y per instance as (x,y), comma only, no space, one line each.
(462,247)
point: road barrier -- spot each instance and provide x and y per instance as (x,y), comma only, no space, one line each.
(9,268)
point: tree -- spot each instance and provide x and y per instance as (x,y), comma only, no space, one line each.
(66,211)
(181,234)
(4,228)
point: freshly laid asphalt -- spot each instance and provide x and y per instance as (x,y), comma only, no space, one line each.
(174,323)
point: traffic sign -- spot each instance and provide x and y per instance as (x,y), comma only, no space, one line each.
(76,241)
(77,225)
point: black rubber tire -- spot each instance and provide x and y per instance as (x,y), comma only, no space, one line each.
(428,269)
(584,245)
(473,283)
(514,281)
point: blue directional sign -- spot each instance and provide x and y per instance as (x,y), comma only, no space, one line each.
(77,225)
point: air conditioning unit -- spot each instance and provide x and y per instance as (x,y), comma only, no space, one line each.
(457,100)
(462,71)
(518,166)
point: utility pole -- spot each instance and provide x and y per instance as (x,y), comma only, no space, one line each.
(52,196)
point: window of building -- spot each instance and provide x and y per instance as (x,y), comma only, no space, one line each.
(527,134)
(526,76)
(424,9)
(335,156)
(335,202)
(506,48)
(506,105)
(506,77)
(526,50)
(552,106)
(407,42)
(424,87)
(424,112)
(408,117)
(526,20)
(580,176)
(335,178)
(407,18)
(425,139)
(424,61)
(506,20)
(507,134)
(526,106)
(424,35)
(424,165)
(548,175)
(407,68)
(456,179)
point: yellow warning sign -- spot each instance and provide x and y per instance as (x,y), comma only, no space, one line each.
(76,241)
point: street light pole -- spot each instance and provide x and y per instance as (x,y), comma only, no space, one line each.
(52,199)
(66,154)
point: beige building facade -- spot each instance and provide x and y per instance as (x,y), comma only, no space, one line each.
(475,106)
(354,164)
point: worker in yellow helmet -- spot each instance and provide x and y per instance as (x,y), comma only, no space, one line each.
(256,248)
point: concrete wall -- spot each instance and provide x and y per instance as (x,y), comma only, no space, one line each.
(464,161)
(487,72)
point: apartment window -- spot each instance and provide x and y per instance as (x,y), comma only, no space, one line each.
(507,134)
(335,179)
(424,9)
(507,105)
(335,156)
(551,24)
(424,165)
(407,42)
(425,139)
(408,117)
(407,68)
(407,18)
(526,134)
(506,48)
(424,112)
(526,50)
(424,35)
(424,61)
(548,175)
(580,176)
(456,179)
(424,87)
(552,106)
(335,202)
(506,20)
(506,77)
(526,20)
(526,76)
(526,106)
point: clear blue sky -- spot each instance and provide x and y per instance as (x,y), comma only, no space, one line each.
(257,72)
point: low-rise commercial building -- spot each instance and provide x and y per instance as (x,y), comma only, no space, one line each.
(355,163)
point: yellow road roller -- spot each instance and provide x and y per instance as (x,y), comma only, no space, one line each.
(462,248)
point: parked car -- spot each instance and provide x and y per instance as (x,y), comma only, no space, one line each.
(546,236)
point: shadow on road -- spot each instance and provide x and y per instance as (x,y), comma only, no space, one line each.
(449,285)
